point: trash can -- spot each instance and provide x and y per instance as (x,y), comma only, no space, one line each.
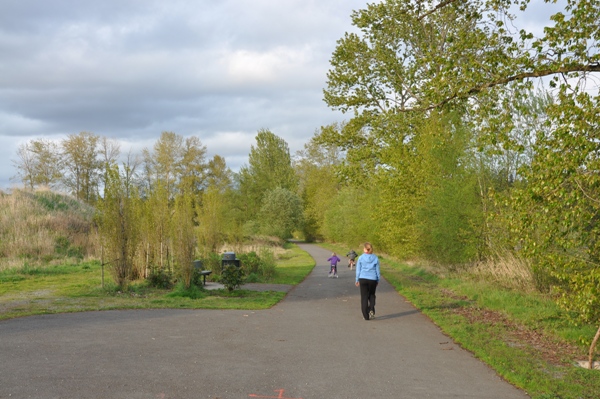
(228,258)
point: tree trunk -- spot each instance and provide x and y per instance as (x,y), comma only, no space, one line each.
(593,348)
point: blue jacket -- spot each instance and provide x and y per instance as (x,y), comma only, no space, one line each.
(367,267)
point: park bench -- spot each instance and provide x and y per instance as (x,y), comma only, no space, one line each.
(203,273)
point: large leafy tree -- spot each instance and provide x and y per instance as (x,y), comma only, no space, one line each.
(269,167)
(39,163)
(315,166)
(184,237)
(192,166)
(281,213)
(161,164)
(82,166)
(412,60)
(118,217)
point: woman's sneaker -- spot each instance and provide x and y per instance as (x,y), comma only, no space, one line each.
(371,315)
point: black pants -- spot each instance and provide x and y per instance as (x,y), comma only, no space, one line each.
(367,296)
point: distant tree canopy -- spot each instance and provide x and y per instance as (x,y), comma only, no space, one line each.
(269,167)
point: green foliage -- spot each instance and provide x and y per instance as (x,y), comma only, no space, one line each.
(467,162)
(315,166)
(118,219)
(160,278)
(250,261)
(82,166)
(281,213)
(449,214)
(232,277)
(269,167)
(518,360)
(563,193)
(53,201)
(212,261)
(39,164)
(184,240)
(213,222)
(268,264)
(350,217)
(192,292)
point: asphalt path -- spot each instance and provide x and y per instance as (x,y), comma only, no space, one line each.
(313,344)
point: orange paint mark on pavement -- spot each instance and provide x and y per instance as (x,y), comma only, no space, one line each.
(280,396)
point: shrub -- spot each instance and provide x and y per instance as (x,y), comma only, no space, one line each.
(159,278)
(213,262)
(232,277)
(268,266)
(251,262)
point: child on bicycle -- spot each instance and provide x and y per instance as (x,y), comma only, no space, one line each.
(352,255)
(333,261)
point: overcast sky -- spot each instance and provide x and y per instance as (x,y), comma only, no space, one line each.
(131,69)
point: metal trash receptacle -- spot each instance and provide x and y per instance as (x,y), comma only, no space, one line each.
(228,258)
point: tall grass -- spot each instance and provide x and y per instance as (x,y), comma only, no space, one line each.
(505,270)
(43,227)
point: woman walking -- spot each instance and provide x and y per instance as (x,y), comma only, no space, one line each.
(367,278)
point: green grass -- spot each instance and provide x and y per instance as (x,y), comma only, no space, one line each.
(76,288)
(518,361)
(483,318)
(293,266)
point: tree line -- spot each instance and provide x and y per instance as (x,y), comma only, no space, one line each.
(163,208)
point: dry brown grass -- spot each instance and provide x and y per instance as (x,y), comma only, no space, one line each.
(41,227)
(506,270)
(258,244)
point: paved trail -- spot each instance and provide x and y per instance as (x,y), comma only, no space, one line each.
(313,345)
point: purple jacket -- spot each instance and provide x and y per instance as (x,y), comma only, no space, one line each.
(334,260)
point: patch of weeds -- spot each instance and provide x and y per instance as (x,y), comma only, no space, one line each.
(193,292)
(11,278)
(252,278)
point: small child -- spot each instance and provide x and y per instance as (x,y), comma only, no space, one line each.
(352,255)
(333,260)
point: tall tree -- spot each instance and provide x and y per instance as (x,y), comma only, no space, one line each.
(218,174)
(192,167)
(163,162)
(477,60)
(184,237)
(108,152)
(281,213)
(118,216)
(269,167)
(39,164)
(318,182)
(82,166)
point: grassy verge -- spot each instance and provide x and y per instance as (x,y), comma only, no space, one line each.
(75,288)
(524,336)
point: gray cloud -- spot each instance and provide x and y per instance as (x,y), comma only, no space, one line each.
(130,69)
